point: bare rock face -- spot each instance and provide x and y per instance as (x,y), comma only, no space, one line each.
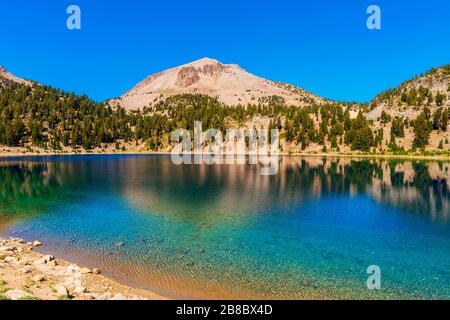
(210,70)
(187,77)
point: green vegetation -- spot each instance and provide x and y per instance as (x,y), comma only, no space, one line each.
(397,128)
(48,118)
(360,135)
(440,119)
(29,298)
(2,293)
(422,130)
(415,97)
(440,98)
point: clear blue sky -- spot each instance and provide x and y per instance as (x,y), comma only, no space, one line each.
(321,45)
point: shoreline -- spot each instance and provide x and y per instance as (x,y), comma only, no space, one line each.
(29,275)
(284,154)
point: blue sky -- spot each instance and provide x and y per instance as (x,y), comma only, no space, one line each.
(321,45)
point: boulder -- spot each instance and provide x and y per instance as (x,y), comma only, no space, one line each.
(25,262)
(52,263)
(79,290)
(25,270)
(105,296)
(9,259)
(96,271)
(8,248)
(46,259)
(39,278)
(61,291)
(72,269)
(16,294)
(85,271)
(37,244)
(118,296)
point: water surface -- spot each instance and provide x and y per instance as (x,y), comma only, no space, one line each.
(225,231)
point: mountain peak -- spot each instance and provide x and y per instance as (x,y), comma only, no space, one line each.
(205,60)
(229,83)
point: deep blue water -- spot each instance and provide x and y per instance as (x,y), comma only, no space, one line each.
(226,231)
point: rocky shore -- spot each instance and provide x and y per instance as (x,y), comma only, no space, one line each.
(28,275)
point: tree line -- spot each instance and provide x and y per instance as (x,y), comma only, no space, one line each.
(50,118)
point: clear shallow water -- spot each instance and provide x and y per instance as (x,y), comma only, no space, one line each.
(226,232)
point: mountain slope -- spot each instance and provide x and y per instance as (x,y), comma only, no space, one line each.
(229,83)
(38,118)
(431,90)
(4,74)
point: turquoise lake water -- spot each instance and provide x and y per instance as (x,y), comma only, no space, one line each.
(225,231)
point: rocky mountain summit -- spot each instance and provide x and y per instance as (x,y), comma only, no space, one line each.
(229,83)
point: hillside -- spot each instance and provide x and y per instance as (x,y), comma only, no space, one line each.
(416,113)
(6,76)
(229,83)
(39,119)
(430,90)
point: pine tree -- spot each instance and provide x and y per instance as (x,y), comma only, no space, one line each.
(422,129)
